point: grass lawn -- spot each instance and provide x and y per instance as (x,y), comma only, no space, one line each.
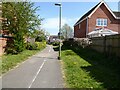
(85,68)
(10,61)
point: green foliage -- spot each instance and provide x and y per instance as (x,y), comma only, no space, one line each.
(55,43)
(21,22)
(40,45)
(31,46)
(40,38)
(36,46)
(39,35)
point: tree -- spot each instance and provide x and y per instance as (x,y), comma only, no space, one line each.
(21,20)
(39,35)
(66,31)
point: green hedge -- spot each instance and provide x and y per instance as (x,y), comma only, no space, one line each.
(36,45)
(55,43)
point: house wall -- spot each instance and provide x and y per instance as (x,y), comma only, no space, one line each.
(80,32)
(119,26)
(102,12)
(2,45)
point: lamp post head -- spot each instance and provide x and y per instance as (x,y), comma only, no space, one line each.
(58,4)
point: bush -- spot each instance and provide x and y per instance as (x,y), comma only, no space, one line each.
(13,46)
(31,46)
(40,38)
(36,45)
(55,43)
(11,51)
(40,45)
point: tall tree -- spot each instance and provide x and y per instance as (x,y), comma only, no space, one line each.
(67,31)
(21,20)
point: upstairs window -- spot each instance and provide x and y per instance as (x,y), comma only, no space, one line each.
(101,22)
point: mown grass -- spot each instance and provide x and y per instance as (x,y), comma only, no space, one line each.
(10,61)
(86,68)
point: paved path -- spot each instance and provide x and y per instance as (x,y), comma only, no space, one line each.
(40,71)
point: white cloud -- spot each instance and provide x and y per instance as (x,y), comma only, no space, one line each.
(52,24)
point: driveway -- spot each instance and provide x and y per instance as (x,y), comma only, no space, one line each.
(39,71)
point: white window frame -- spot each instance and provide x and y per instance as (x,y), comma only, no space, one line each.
(101,22)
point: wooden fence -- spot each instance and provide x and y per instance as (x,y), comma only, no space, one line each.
(110,45)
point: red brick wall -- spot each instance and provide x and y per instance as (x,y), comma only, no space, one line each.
(80,32)
(119,28)
(102,12)
(2,45)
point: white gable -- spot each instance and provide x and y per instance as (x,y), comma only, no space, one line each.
(103,2)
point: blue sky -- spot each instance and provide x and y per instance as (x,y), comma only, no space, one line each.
(71,12)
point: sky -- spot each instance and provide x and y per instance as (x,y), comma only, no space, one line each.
(71,12)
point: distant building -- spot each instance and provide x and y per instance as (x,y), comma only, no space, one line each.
(100,16)
(53,38)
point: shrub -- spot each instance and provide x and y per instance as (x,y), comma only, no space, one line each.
(13,46)
(40,45)
(31,46)
(36,45)
(55,43)
(40,38)
(11,51)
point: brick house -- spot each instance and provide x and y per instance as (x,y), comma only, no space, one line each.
(98,17)
(53,38)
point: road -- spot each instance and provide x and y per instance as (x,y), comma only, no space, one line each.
(39,71)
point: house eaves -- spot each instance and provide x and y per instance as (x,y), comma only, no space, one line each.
(80,21)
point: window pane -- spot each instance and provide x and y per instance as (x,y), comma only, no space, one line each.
(102,20)
(98,22)
(105,22)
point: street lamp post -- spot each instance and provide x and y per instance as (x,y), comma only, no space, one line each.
(59,4)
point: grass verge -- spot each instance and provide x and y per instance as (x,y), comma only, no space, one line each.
(10,61)
(86,68)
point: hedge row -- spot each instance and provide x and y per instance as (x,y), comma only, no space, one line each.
(36,45)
